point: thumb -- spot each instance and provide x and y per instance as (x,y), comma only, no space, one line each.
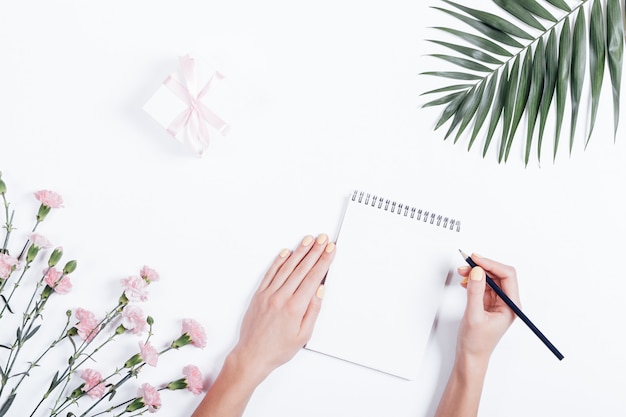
(475,292)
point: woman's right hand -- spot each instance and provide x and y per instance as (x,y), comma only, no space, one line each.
(486,317)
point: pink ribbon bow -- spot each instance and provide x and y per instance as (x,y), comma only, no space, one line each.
(197,115)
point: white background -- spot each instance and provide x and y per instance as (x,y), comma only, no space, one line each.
(334,105)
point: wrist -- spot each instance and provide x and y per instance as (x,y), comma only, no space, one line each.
(471,368)
(241,372)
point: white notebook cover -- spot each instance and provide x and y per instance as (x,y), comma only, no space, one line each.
(385,284)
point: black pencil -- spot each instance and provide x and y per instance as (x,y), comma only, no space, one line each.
(515,309)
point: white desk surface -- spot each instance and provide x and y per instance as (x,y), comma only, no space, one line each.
(337,108)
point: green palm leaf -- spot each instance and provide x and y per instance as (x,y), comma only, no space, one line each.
(512,69)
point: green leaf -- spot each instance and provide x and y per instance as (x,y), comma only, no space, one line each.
(459,113)
(521,99)
(481,42)
(536,91)
(551,54)
(564,62)
(443,100)
(483,108)
(615,51)
(7,404)
(597,39)
(468,109)
(467,51)
(579,56)
(497,106)
(560,4)
(495,34)
(494,21)
(509,104)
(448,88)
(536,9)
(462,62)
(453,74)
(449,110)
(6,303)
(32,333)
(513,7)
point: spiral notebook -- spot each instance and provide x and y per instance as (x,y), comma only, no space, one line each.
(385,285)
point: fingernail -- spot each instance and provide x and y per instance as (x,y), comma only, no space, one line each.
(307,241)
(330,247)
(322,238)
(283,253)
(477,274)
(475,255)
(321,290)
(463,268)
(464,280)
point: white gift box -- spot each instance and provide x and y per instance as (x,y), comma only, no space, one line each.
(195,103)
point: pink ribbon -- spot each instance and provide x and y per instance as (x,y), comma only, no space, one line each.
(196,118)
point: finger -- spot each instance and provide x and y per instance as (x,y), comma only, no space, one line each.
(312,312)
(314,278)
(475,308)
(505,275)
(464,270)
(278,262)
(304,267)
(291,263)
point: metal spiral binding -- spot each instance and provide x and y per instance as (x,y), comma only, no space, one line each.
(407,211)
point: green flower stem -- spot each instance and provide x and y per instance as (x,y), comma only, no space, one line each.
(22,337)
(73,365)
(17,284)
(109,393)
(8,224)
(28,241)
(62,336)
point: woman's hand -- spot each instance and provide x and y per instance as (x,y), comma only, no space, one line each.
(282,313)
(485,320)
(486,316)
(278,323)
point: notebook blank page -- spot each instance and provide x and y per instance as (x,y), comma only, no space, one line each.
(383,289)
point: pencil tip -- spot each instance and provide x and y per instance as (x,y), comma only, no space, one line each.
(463,254)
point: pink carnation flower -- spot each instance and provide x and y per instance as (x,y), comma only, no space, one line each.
(39,241)
(87,324)
(57,281)
(135,288)
(150,397)
(149,274)
(94,387)
(193,377)
(195,331)
(49,198)
(7,263)
(148,353)
(134,319)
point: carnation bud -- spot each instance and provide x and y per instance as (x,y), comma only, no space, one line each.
(78,392)
(33,250)
(73,331)
(150,320)
(120,329)
(55,257)
(183,340)
(43,212)
(3,187)
(178,384)
(134,360)
(69,267)
(135,405)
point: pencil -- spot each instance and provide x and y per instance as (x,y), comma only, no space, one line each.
(515,308)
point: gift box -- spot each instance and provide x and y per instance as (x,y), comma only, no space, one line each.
(195,103)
